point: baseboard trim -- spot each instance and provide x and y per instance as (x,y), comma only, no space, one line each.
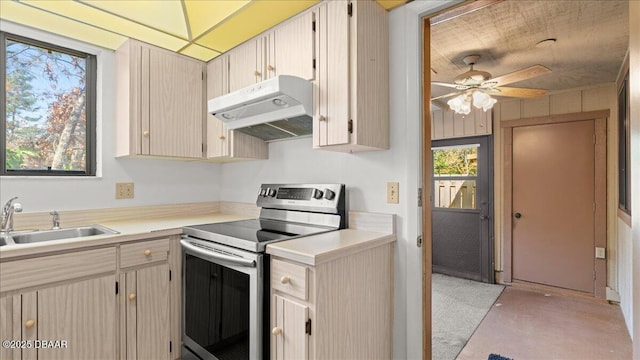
(524,285)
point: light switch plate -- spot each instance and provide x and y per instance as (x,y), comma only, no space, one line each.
(600,253)
(392,193)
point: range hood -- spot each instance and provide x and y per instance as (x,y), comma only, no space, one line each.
(275,109)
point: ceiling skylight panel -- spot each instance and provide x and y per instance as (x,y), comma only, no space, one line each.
(42,20)
(250,21)
(204,15)
(74,10)
(163,15)
(199,52)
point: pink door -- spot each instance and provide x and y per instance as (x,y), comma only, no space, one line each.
(553,204)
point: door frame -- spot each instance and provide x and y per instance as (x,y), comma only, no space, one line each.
(600,231)
(449,11)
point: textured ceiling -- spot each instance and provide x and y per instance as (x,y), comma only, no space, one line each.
(202,29)
(592,40)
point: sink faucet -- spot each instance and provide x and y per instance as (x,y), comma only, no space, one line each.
(55,218)
(7,214)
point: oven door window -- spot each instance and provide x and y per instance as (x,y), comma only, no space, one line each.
(217,308)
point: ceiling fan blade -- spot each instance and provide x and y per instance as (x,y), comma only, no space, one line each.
(455,86)
(444,96)
(519,92)
(520,75)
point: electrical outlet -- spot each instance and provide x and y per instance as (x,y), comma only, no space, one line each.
(124,190)
(392,192)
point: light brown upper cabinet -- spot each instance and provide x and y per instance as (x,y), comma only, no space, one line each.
(288,49)
(246,64)
(159,102)
(352,91)
(223,144)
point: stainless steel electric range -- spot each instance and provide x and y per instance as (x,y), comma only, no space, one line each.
(225,302)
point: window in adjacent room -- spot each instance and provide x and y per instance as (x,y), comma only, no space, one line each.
(47,110)
(624,176)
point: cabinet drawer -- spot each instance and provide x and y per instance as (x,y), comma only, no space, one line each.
(289,278)
(43,270)
(144,252)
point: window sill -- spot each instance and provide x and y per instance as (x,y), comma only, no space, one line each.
(626,218)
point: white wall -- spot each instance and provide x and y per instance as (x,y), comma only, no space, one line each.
(634,95)
(156,181)
(625,269)
(366,174)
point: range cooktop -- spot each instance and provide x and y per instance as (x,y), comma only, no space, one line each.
(287,212)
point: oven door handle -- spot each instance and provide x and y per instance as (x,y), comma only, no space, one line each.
(221,257)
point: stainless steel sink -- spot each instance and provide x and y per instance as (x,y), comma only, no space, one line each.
(48,235)
(4,241)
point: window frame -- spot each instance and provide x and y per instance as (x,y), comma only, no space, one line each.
(624,131)
(90,110)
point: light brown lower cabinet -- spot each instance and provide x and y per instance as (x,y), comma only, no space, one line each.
(339,309)
(146,313)
(80,305)
(73,321)
(145,326)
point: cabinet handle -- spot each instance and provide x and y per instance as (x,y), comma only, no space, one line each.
(145,133)
(322,118)
(222,137)
(147,252)
(285,280)
(132,296)
(29,323)
(257,73)
(270,68)
(276,331)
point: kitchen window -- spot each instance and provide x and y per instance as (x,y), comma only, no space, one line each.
(48,109)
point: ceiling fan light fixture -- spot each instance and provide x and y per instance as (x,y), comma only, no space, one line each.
(460,104)
(482,100)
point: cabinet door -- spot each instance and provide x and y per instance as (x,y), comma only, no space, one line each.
(175,103)
(292,48)
(81,313)
(217,85)
(246,64)
(10,324)
(147,313)
(331,123)
(290,340)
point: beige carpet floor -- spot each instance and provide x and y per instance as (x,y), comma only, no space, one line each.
(458,307)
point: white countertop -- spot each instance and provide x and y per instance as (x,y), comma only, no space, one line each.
(317,249)
(311,250)
(129,230)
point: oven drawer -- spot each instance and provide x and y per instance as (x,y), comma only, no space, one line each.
(289,278)
(144,252)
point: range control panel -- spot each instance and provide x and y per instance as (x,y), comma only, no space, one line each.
(305,197)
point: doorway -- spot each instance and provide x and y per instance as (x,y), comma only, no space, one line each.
(554,194)
(462,208)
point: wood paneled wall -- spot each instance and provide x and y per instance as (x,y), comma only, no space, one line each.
(445,124)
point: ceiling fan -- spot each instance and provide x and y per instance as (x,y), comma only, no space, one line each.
(479,85)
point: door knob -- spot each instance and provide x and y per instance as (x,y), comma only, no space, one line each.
(517,215)
(132,296)
(276,331)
